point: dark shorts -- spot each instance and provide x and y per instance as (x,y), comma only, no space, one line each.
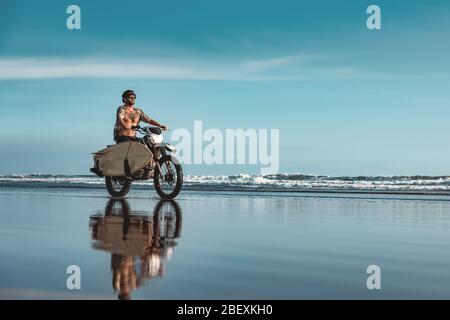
(126,139)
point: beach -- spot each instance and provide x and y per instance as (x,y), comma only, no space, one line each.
(222,245)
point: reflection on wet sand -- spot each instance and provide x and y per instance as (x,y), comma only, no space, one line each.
(140,244)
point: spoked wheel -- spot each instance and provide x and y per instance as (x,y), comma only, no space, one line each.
(168,185)
(117,187)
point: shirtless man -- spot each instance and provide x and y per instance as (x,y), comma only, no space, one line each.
(127,116)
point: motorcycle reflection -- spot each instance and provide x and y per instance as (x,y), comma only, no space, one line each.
(140,245)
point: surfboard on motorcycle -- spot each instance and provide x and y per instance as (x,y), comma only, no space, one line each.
(145,159)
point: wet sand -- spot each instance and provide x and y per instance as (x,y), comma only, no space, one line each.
(222,245)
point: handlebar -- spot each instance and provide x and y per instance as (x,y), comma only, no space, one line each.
(140,129)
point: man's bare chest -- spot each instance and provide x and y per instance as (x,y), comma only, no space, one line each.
(132,115)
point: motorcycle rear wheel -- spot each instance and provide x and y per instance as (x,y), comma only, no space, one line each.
(117,187)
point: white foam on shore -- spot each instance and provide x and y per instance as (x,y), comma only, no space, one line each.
(254,182)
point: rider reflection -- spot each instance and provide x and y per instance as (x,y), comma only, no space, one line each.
(140,245)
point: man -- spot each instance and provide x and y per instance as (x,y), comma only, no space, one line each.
(128,116)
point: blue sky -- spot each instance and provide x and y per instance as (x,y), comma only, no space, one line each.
(347,100)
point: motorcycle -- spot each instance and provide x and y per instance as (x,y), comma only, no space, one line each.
(164,168)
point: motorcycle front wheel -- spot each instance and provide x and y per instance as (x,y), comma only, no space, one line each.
(117,187)
(168,185)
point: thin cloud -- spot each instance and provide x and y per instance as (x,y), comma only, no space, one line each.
(258,65)
(284,68)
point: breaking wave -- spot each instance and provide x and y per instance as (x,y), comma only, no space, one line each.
(244,182)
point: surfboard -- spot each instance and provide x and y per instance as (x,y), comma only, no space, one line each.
(111,160)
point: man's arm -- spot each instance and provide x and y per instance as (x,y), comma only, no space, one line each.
(122,122)
(149,120)
(121,118)
(156,123)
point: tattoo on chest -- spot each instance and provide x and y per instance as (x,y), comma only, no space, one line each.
(132,116)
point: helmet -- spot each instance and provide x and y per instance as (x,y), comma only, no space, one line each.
(126,94)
